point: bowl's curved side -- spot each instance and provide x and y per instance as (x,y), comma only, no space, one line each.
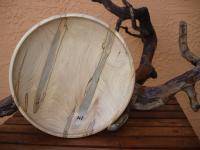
(12,62)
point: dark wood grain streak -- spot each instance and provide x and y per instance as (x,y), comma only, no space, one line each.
(49,64)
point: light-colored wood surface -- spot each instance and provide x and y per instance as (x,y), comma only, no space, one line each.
(71,75)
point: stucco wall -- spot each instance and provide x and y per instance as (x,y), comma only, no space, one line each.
(17,16)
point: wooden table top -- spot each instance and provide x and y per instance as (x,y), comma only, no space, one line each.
(164,128)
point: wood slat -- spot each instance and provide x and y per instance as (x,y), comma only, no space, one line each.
(131,122)
(43,147)
(18,114)
(96,141)
(17,121)
(153,132)
(168,108)
(154,115)
(164,128)
(158,123)
(172,102)
(125,131)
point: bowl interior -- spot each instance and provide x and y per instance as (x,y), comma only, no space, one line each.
(71,75)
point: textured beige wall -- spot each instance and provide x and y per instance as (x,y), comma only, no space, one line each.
(17,16)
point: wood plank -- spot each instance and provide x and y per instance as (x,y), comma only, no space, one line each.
(125,131)
(168,108)
(139,133)
(18,114)
(144,130)
(193,117)
(153,132)
(125,142)
(172,102)
(41,147)
(23,129)
(165,108)
(17,121)
(131,122)
(157,123)
(154,115)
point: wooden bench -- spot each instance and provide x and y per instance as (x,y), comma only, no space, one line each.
(164,128)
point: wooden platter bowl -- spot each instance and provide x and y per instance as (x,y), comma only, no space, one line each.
(71,75)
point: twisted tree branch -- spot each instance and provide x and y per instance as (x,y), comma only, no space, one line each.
(147,98)
(147,34)
(185,51)
(160,95)
(7,106)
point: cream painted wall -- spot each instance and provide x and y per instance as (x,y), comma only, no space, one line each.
(17,16)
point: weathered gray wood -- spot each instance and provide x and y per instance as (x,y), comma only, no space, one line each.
(7,106)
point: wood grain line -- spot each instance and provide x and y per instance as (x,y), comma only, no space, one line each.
(93,82)
(26,102)
(49,64)
(19,76)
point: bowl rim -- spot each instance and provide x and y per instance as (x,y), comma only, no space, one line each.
(45,21)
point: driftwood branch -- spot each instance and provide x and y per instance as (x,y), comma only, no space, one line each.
(147,98)
(7,106)
(151,97)
(147,34)
(185,51)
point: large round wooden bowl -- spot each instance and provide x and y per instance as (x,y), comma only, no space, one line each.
(71,75)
